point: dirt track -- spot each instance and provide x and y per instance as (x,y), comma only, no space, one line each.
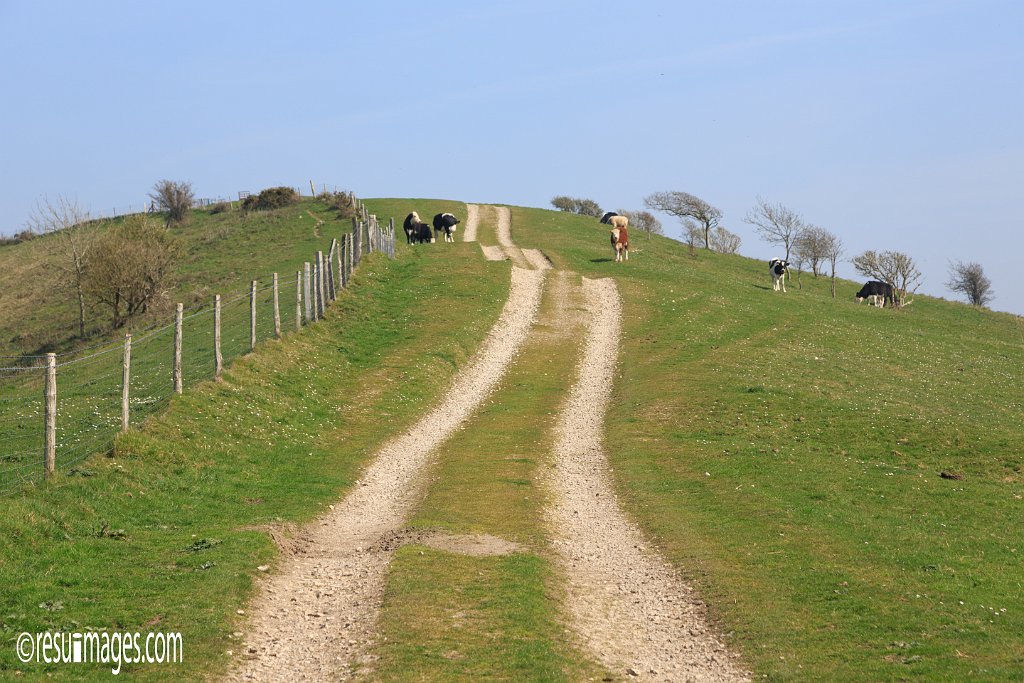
(624,601)
(315,617)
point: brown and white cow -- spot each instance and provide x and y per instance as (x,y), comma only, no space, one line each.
(620,243)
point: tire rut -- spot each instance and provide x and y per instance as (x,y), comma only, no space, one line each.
(625,602)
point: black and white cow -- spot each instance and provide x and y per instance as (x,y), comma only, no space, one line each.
(445,222)
(877,292)
(411,227)
(778,268)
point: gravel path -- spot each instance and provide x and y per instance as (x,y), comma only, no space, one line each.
(625,602)
(472,221)
(315,616)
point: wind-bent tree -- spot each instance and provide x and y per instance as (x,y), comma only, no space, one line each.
(777,224)
(686,206)
(176,198)
(893,268)
(970,280)
(70,226)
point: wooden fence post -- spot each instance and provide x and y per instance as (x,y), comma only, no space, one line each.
(218,357)
(277,311)
(320,284)
(179,314)
(126,380)
(306,289)
(332,290)
(50,416)
(252,316)
(316,289)
(298,300)
(340,279)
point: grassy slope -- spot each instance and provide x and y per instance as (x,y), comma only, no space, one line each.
(784,451)
(223,252)
(281,436)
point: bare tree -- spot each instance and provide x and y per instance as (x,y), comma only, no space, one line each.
(693,234)
(970,280)
(810,246)
(893,268)
(176,198)
(725,242)
(129,269)
(70,226)
(833,252)
(776,223)
(644,221)
(684,206)
(582,207)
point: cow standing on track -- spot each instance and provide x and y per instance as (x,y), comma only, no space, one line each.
(620,243)
(445,222)
(778,268)
(877,292)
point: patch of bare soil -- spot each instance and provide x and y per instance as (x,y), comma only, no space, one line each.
(315,616)
(627,604)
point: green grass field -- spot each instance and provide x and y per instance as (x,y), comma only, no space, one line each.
(167,533)
(785,451)
(782,450)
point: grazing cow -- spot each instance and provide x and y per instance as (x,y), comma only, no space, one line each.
(445,222)
(411,227)
(877,292)
(620,243)
(615,220)
(778,268)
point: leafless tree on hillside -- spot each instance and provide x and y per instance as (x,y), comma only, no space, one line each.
(684,206)
(970,280)
(129,270)
(176,198)
(833,252)
(892,267)
(693,234)
(811,245)
(725,242)
(69,224)
(776,223)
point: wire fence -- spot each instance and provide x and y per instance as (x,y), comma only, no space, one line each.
(94,403)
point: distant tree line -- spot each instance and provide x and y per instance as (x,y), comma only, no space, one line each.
(805,245)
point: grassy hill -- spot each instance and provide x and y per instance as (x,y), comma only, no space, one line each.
(783,450)
(222,253)
(786,450)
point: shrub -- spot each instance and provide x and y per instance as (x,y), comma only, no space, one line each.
(342,202)
(271,198)
(176,198)
(220,207)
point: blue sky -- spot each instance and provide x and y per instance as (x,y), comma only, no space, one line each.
(896,125)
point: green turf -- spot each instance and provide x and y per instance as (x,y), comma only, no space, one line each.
(785,450)
(167,534)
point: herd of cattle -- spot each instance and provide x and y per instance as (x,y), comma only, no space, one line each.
(418,232)
(874,292)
